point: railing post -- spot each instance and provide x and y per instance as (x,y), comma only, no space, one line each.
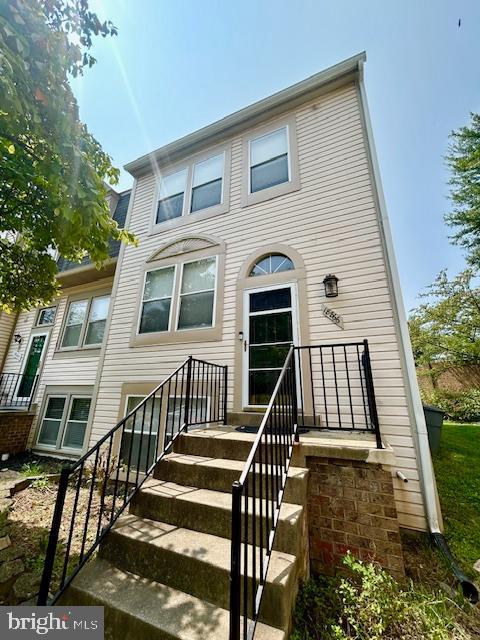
(32,392)
(53,538)
(225,386)
(294,395)
(187,393)
(372,403)
(235,577)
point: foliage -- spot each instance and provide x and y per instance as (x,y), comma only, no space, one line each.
(52,170)
(38,468)
(456,471)
(370,605)
(461,406)
(445,329)
(464,162)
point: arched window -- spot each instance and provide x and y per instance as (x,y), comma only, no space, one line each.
(272,263)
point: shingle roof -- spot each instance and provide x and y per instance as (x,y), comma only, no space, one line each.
(119,216)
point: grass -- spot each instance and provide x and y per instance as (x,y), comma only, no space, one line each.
(457,470)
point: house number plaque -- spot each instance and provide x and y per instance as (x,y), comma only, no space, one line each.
(333,316)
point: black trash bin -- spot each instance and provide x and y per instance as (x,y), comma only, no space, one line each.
(434,419)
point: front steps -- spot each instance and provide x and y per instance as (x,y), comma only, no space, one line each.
(163,571)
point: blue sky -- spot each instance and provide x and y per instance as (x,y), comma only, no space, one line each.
(178,65)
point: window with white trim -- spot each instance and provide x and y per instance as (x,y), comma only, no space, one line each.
(268,160)
(64,422)
(196,187)
(194,304)
(85,323)
(46,316)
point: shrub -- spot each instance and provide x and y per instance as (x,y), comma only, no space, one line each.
(370,605)
(463,406)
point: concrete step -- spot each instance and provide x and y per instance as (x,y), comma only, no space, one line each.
(219,474)
(141,609)
(210,511)
(224,443)
(196,563)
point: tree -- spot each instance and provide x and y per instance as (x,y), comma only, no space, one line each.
(52,170)
(445,330)
(464,162)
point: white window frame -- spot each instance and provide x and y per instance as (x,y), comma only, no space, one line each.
(263,135)
(83,331)
(59,446)
(179,298)
(46,324)
(172,298)
(201,214)
(176,297)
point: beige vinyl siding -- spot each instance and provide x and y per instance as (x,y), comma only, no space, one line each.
(7,320)
(332,223)
(69,369)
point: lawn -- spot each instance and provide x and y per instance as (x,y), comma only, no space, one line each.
(457,469)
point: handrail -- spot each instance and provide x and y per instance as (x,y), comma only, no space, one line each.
(103,482)
(260,488)
(17,390)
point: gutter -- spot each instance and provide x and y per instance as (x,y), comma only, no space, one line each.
(427,475)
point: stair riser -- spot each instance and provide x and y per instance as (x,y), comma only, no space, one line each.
(194,576)
(212,519)
(220,479)
(213,447)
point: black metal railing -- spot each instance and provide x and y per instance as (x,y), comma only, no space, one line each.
(337,388)
(322,386)
(256,501)
(17,390)
(93,492)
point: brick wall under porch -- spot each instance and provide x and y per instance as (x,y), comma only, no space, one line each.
(14,430)
(351,507)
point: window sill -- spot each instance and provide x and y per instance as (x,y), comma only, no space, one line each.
(84,352)
(270,193)
(181,221)
(210,334)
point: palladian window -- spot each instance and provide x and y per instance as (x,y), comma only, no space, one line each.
(272,263)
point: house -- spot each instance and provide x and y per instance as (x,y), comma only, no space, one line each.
(263,229)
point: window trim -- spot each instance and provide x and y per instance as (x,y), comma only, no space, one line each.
(55,392)
(200,334)
(293,183)
(81,346)
(178,301)
(39,313)
(172,298)
(187,216)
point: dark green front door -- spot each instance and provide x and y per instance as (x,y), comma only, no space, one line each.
(31,367)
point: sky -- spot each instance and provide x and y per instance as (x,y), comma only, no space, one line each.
(178,65)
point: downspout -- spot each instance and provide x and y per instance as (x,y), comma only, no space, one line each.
(427,476)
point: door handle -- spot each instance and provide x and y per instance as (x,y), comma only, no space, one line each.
(245,346)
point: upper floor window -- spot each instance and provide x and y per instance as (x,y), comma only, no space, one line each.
(85,323)
(269,160)
(195,282)
(46,316)
(171,196)
(199,186)
(273,263)
(207,183)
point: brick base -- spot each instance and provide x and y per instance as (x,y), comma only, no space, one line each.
(14,430)
(351,507)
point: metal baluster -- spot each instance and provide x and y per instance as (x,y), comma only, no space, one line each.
(225,387)
(235,573)
(348,384)
(362,387)
(336,387)
(324,389)
(72,525)
(140,446)
(87,515)
(104,488)
(245,560)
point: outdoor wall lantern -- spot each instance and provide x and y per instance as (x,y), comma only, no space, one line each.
(18,338)
(331,286)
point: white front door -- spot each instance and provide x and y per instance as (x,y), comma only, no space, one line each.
(270,326)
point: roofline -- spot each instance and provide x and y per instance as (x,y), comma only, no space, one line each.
(338,74)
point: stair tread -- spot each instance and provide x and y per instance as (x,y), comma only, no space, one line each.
(206,547)
(209,497)
(177,614)
(223,463)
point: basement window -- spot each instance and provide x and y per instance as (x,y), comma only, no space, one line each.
(64,422)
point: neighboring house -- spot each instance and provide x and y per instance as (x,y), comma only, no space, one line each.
(239,224)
